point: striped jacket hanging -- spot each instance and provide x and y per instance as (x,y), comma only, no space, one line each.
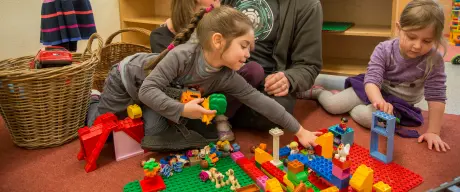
(66,20)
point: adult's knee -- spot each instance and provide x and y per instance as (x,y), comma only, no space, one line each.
(253,73)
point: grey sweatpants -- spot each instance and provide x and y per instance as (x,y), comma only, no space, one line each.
(116,100)
(347,101)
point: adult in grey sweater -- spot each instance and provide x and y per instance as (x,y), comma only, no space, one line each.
(288,46)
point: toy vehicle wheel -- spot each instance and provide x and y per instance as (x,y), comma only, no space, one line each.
(456,60)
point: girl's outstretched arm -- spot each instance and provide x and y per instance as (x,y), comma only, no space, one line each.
(435,114)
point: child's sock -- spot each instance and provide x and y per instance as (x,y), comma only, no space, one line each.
(312,93)
(95,94)
(224,129)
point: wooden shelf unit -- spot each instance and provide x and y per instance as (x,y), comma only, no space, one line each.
(344,53)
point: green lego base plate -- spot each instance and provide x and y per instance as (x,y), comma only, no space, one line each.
(336,26)
(188,180)
(134,186)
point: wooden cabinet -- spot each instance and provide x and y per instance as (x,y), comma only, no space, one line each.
(344,53)
(148,14)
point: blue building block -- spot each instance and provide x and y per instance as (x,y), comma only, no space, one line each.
(320,165)
(341,184)
(236,147)
(341,136)
(284,151)
(388,131)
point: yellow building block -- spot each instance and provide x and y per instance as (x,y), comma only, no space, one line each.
(331,189)
(327,142)
(262,156)
(288,183)
(134,111)
(273,185)
(206,118)
(382,187)
(362,179)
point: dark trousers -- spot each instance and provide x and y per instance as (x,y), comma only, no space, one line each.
(241,116)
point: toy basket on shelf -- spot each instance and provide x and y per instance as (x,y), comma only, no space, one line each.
(113,53)
(45,107)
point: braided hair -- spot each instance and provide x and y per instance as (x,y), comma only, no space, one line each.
(180,38)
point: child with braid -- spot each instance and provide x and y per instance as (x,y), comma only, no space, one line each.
(401,71)
(226,37)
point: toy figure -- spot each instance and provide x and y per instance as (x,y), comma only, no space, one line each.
(343,123)
(342,152)
(310,153)
(294,147)
(232,180)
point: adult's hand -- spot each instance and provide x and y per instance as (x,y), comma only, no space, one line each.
(277,84)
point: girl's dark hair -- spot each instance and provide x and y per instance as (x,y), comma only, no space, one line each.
(180,38)
(225,20)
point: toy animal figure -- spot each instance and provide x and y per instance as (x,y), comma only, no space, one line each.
(342,152)
(294,146)
(217,177)
(232,180)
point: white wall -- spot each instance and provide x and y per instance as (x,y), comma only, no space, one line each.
(20,25)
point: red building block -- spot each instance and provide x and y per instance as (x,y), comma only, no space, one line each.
(273,171)
(152,184)
(318,149)
(242,161)
(106,117)
(93,141)
(132,127)
(340,164)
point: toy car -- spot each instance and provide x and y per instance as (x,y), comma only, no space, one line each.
(51,56)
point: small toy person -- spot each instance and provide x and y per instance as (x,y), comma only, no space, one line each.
(294,147)
(310,153)
(343,123)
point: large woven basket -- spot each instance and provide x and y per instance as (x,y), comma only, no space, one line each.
(45,107)
(113,53)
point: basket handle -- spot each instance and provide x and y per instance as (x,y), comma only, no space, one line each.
(90,45)
(132,29)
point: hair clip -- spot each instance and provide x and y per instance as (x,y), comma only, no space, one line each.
(210,8)
(170,46)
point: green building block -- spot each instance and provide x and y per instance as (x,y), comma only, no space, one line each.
(297,178)
(188,180)
(150,165)
(134,186)
(218,102)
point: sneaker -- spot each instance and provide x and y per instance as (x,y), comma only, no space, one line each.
(95,94)
(176,138)
(312,93)
(224,128)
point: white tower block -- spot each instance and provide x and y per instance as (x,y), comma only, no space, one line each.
(276,133)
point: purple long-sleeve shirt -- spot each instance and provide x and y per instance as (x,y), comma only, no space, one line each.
(386,63)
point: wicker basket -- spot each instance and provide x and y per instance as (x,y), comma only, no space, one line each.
(45,107)
(113,53)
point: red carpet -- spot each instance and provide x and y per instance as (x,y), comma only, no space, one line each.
(57,169)
(452,51)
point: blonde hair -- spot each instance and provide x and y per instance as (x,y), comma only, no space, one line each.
(419,14)
(225,20)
